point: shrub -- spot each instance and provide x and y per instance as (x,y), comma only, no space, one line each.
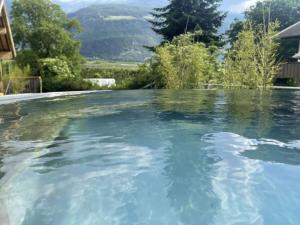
(57,76)
(66,84)
(252,60)
(185,64)
(180,64)
(54,67)
(126,78)
(16,76)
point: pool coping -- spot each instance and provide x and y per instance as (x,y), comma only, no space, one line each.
(9,99)
(285,88)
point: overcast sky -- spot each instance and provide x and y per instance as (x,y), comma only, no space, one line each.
(238,6)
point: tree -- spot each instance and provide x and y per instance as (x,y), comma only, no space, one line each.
(185,64)
(286,12)
(252,62)
(42,30)
(235,28)
(182,16)
(240,62)
(266,54)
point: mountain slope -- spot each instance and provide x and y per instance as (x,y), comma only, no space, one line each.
(114,31)
(73,5)
(118,29)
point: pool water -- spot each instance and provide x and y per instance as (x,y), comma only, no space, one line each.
(152,158)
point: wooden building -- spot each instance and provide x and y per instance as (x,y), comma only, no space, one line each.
(292,32)
(7,47)
(291,71)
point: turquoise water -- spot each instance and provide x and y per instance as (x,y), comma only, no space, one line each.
(152,158)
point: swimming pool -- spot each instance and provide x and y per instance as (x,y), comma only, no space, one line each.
(152,158)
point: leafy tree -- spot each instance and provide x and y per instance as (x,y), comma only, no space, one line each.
(181,16)
(42,30)
(57,76)
(286,12)
(252,62)
(240,65)
(235,28)
(184,64)
(50,67)
(266,50)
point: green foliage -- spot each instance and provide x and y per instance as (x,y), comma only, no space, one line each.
(235,28)
(184,64)
(54,67)
(286,12)
(240,63)
(16,75)
(62,84)
(57,76)
(291,83)
(126,77)
(181,16)
(42,30)
(109,64)
(252,60)
(267,46)
(45,37)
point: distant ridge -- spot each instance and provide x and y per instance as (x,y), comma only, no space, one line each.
(115,32)
(74,5)
(122,31)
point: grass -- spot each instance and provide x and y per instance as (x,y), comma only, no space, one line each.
(107,64)
(113,18)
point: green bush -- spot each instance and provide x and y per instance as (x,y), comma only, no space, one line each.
(54,67)
(16,75)
(100,72)
(180,64)
(252,62)
(185,64)
(57,76)
(66,84)
(125,78)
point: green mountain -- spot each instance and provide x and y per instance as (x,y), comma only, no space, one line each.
(115,31)
(73,5)
(118,29)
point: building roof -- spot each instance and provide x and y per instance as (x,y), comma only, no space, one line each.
(7,46)
(290,32)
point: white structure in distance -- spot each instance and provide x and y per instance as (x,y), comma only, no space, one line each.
(102,82)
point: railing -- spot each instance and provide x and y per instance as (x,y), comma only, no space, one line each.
(24,85)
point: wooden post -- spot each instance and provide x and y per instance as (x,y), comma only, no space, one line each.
(1,81)
(299,50)
(41,85)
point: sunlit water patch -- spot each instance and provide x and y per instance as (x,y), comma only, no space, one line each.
(152,157)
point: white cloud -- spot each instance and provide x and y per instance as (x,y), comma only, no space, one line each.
(242,6)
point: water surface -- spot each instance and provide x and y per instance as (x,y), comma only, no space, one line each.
(152,158)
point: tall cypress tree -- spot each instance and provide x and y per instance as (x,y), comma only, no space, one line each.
(181,16)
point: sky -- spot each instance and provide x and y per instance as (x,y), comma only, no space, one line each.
(238,6)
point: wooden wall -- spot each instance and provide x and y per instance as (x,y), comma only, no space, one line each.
(290,70)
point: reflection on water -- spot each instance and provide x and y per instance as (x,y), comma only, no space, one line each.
(152,157)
